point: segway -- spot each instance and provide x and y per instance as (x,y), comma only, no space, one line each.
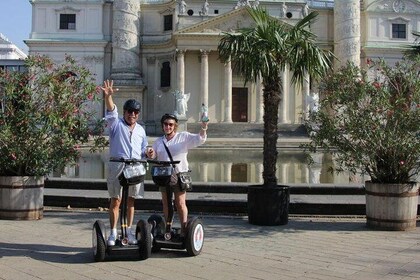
(164,234)
(132,174)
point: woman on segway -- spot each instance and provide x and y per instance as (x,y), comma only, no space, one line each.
(178,144)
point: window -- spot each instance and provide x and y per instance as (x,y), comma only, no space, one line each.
(167,22)
(165,74)
(399,31)
(68,21)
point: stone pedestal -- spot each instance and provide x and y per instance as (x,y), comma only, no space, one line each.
(182,123)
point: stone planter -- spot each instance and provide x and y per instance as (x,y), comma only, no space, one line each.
(21,197)
(391,206)
(268,206)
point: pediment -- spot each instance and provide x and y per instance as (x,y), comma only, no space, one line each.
(393,6)
(227,22)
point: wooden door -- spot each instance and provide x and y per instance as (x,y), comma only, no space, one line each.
(240,104)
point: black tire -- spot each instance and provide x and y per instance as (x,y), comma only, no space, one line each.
(144,239)
(194,240)
(158,228)
(98,242)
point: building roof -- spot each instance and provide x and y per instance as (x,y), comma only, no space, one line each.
(8,50)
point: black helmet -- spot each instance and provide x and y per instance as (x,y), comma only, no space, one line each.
(168,116)
(131,104)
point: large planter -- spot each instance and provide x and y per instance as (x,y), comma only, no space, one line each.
(21,197)
(391,206)
(268,206)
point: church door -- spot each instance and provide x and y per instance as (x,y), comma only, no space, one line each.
(240,104)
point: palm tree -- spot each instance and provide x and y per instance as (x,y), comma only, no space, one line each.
(263,52)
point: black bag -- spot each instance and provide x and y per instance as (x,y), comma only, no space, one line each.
(184,181)
(161,175)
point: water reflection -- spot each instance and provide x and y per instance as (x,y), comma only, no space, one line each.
(230,165)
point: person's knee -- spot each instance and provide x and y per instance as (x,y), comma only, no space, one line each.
(115,203)
(181,204)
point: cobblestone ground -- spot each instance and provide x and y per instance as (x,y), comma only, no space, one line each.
(308,247)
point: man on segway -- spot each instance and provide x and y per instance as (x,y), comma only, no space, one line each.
(127,141)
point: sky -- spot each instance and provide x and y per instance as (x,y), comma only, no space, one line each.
(15,21)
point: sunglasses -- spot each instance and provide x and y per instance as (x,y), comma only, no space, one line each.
(132,111)
(168,124)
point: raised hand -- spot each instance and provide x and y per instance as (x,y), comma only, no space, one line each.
(108,88)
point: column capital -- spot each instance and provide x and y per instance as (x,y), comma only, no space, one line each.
(204,52)
(180,52)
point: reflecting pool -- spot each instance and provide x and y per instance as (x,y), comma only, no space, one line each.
(231,165)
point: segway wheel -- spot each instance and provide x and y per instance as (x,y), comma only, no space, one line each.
(194,240)
(158,227)
(98,242)
(144,239)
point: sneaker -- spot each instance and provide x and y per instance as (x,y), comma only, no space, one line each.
(111,240)
(131,238)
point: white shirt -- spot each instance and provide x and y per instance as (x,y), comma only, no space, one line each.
(178,146)
(124,143)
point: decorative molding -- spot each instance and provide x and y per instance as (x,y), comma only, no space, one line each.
(93,58)
(67,9)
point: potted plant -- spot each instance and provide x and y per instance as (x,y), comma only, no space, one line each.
(45,115)
(369,119)
(261,53)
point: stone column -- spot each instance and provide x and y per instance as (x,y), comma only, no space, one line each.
(204,172)
(260,102)
(305,95)
(227,168)
(205,77)
(284,102)
(346,32)
(228,92)
(126,42)
(181,69)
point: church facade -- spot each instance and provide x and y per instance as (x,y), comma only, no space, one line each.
(156,49)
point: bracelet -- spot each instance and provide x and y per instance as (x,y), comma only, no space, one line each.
(204,129)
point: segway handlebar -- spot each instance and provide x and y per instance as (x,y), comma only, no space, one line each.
(128,160)
(163,162)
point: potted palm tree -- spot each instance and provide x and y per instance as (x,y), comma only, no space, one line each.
(369,120)
(45,115)
(264,52)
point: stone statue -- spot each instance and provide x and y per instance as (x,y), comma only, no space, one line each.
(205,8)
(283,10)
(181,103)
(242,3)
(204,117)
(305,10)
(182,7)
(255,4)
(313,101)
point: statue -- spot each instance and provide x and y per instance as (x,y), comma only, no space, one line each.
(205,9)
(242,3)
(283,10)
(181,103)
(255,4)
(313,101)
(204,117)
(305,10)
(182,7)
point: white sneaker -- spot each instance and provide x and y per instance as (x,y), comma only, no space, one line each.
(111,240)
(131,238)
